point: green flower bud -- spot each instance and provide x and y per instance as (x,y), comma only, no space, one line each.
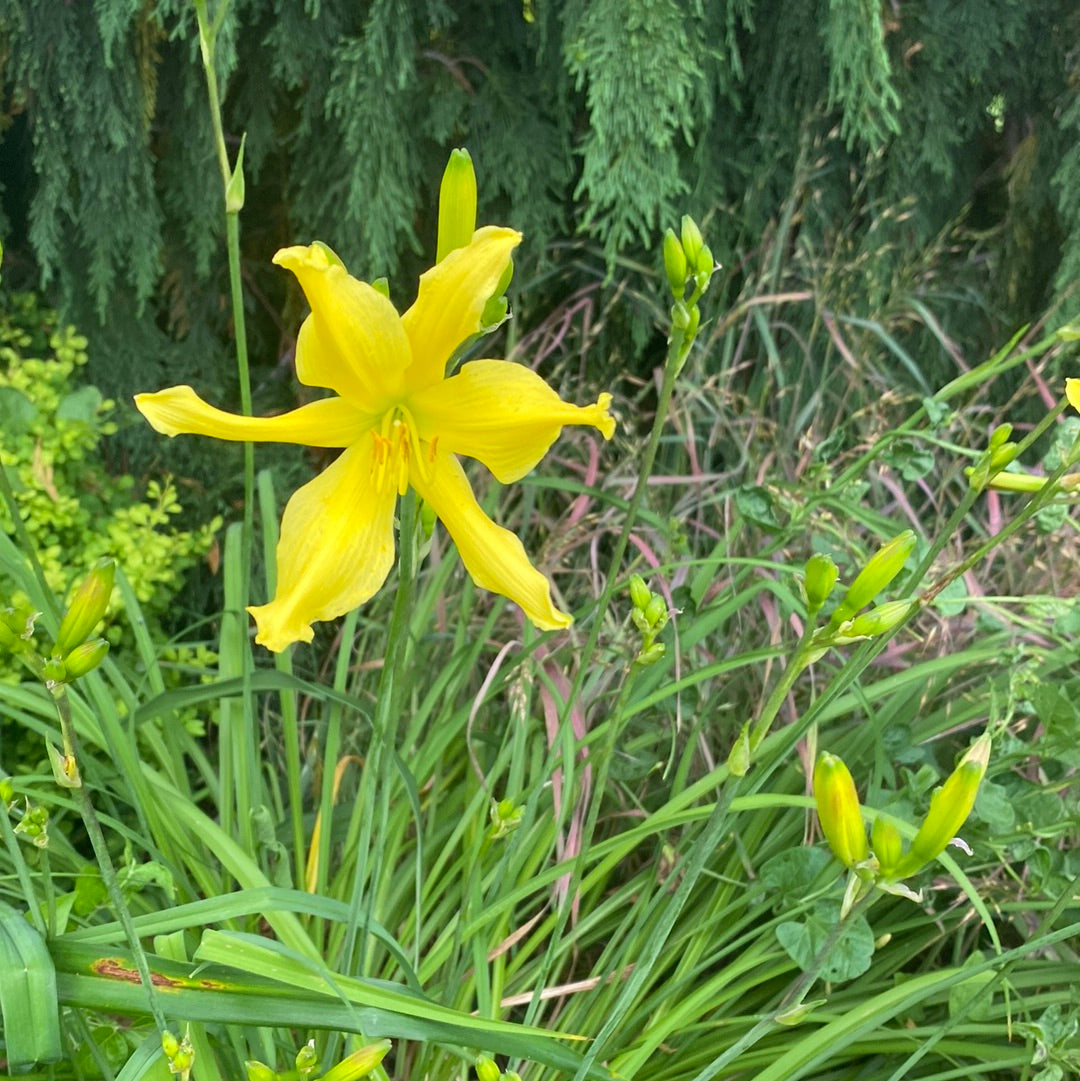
(87,608)
(738,762)
(680,315)
(675,264)
(884,565)
(1003,481)
(692,242)
(258,1071)
(486,1069)
(838,810)
(7,792)
(656,611)
(457,205)
(359,1063)
(169,1044)
(878,620)
(234,190)
(650,654)
(820,577)
(85,658)
(886,843)
(950,806)
(306,1059)
(704,267)
(999,436)
(639,592)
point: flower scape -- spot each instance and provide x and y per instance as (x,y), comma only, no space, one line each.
(401,422)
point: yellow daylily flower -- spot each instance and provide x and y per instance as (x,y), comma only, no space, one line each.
(401,422)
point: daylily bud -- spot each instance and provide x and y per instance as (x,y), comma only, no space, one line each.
(818,583)
(656,611)
(880,619)
(639,592)
(999,436)
(949,807)
(675,264)
(692,242)
(704,267)
(457,205)
(85,658)
(87,608)
(1003,481)
(738,761)
(651,654)
(234,190)
(359,1063)
(7,792)
(258,1071)
(838,810)
(884,565)
(487,1069)
(887,845)
(306,1059)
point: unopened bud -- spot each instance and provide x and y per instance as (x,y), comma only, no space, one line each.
(306,1059)
(487,1069)
(880,619)
(234,190)
(7,792)
(87,608)
(820,577)
(886,843)
(950,806)
(884,565)
(738,761)
(656,611)
(692,242)
(675,264)
(838,810)
(85,658)
(639,592)
(457,205)
(359,1063)
(651,654)
(258,1071)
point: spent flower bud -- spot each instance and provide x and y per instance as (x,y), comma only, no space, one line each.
(838,810)
(234,190)
(87,608)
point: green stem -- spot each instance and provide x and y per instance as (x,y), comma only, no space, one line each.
(101,852)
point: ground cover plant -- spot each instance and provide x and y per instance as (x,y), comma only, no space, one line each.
(644,761)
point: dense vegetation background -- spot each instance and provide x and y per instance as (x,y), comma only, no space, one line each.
(908,161)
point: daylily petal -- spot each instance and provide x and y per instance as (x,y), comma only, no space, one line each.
(493,556)
(501,413)
(353,341)
(335,551)
(330,422)
(451,300)
(1072,392)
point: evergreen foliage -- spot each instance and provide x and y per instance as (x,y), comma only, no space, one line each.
(593,119)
